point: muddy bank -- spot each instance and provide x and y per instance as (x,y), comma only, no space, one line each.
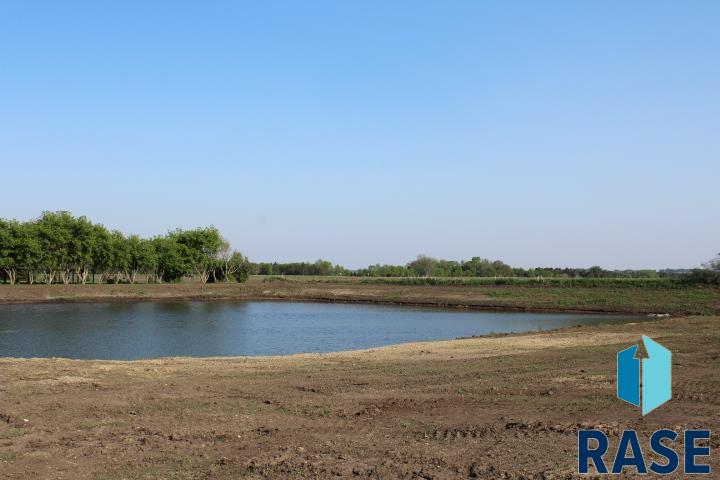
(693,300)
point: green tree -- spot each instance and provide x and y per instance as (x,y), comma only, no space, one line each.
(82,247)
(54,232)
(422,266)
(119,256)
(102,261)
(229,262)
(322,267)
(28,251)
(63,248)
(141,258)
(203,245)
(173,259)
(9,245)
(596,272)
(242,273)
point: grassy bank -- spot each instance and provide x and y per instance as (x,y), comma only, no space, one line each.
(502,407)
(686,300)
(664,282)
(535,282)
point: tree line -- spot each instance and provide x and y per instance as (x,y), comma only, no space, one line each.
(425,266)
(58,247)
(319,267)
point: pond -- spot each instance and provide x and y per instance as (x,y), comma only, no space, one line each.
(124,331)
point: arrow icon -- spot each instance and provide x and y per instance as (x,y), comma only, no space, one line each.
(645,375)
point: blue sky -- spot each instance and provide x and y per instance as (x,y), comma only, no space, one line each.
(539,133)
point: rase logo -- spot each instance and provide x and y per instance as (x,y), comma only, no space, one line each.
(645,383)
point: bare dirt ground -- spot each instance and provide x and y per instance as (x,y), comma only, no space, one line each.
(253,289)
(492,407)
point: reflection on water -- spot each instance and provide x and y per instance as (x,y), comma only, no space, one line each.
(158,329)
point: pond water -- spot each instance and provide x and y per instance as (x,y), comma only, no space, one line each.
(123,331)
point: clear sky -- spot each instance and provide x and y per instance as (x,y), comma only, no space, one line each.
(540,133)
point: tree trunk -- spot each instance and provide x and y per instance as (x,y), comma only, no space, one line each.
(11,274)
(227,271)
(49,276)
(82,275)
(230,270)
(159,276)
(31,277)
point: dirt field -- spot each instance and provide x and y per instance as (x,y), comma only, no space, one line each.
(678,301)
(495,407)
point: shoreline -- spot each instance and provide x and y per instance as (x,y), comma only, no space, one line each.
(213,298)
(553,299)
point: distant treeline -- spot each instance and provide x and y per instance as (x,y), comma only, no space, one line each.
(424,266)
(428,270)
(320,267)
(532,281)
(61,248)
